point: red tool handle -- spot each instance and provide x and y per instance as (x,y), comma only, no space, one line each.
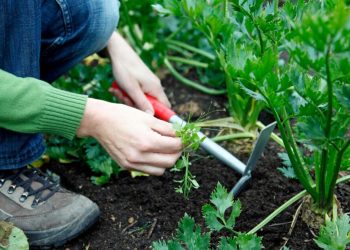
(160,110)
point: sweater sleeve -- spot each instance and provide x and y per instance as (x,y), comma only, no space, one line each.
(29,105)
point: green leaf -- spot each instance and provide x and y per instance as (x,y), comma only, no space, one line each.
(335,235)
(170,245)
(288,172)
(285,248)
(345,165)
(249,241)
(343,95)
(221,199)
(211,219)
(312,131)
(285,159)
(160,245)
(228,244)
(215,216)
(235,212)
(190,235)
(102,166)
(100,180)
(92,151)
(161,10)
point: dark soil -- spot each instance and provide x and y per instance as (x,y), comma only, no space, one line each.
(131,206)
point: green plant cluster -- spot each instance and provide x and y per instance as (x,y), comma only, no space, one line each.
(235,30)
(293,59)
(219,216)
(159,42)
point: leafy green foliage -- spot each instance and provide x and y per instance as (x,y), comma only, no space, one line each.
(293,59)
(215,215)
(85,150)
(335,235)
(189,236)
(241,242)
(240,32)
(190,139)
(189,136)
(288,170)
(158,39)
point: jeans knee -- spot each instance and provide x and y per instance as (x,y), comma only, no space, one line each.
(103,21)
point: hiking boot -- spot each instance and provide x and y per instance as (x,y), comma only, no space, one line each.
(48,214)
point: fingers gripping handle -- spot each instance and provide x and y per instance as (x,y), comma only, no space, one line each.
(160,110)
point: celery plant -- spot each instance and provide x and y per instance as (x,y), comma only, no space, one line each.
(309,93)
(294,59)
(254,26)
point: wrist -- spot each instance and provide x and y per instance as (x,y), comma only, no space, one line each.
(113,46)
(90,118)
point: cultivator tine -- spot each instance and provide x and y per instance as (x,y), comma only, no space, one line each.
(259,147)
(240,185)
(253,159)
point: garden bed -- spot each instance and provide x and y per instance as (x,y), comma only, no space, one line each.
(136,212)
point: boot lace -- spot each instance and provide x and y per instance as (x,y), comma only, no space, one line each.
(41,194)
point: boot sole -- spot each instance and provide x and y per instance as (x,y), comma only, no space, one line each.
(57,237)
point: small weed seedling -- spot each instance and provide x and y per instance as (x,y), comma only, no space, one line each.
(191,141)
(220,215)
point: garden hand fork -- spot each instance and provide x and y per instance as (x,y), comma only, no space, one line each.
(164,113)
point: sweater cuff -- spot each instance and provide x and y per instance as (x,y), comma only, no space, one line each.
(63,112)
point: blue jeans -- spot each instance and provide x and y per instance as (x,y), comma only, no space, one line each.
(44,39)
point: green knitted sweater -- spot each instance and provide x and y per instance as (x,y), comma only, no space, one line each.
(29,105)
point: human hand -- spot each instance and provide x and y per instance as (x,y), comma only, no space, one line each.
(134,139)
(133,76)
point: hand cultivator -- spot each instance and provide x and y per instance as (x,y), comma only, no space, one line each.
(164,113)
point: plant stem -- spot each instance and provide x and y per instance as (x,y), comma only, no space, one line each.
(226,12)
(233,136)
(286,205)
(129,23)
(273,136)
(295,148)
(336,171)
(299,171)
(172,35)
(261,41)
(187,163)
(275,6)
(324,155)
(188,61)
(251,17)
(278,211)
(180,50)
(192,84)
(192,49)
(127,33)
